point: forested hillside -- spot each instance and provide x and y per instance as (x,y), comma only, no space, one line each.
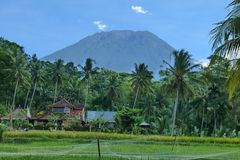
(187,99)
(196,96)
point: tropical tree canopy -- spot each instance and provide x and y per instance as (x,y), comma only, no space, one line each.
(178,77)
(141,80)
(226,42)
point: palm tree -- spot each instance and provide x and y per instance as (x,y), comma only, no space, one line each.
(88,70)
(150,107)
(141,80)
(37,75)
(4,57)
(113,88)
(18,70)
(177,78)
(57,76)
(214,75)
(75,89)
(200,104)
(218,105)
(226,34)
(226,42)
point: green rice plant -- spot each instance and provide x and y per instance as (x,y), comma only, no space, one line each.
(59,158)
(108,136)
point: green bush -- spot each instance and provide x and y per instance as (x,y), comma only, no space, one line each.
(3,110)
(22,124)
(75,125)
(127,118)
(3,128)
(40,126)
(49,126)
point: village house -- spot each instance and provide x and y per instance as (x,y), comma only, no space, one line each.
(64,108)
(61,112)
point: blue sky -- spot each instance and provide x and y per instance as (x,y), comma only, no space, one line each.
(44,26)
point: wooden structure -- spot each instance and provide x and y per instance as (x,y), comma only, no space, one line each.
(68,110)
(17,114)
(65,107)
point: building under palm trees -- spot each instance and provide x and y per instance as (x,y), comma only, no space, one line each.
(61,113)
(17,114)
(64,108)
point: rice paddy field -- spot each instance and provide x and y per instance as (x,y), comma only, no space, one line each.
(43,145)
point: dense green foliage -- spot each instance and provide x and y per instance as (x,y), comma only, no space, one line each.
(202,104)
(186,100)
(226,42)
(3,128)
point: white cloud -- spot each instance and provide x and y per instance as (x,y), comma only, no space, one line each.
(100,25)
(203,62)
(140,9)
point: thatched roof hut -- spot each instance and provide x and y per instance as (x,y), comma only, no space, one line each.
(17,114)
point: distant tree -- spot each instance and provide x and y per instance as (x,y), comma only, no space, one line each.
(37,74)
(218,106)
(18,70)
(200,104)
(149,109)
(88,70)
(141,80)
(57,73)
(177,78)
(127,118)
(71,69)
(113,89)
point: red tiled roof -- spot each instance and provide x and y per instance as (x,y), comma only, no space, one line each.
(79,106)
(62,103)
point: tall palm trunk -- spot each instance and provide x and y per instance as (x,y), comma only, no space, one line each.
(13,103)
(112,104)
(136,96)
(203,114)
(86,96)
(34,89)
(26,99)
(215,123)
(55,93)
(78,96)
(175,111)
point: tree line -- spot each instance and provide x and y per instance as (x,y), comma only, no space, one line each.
(188,99)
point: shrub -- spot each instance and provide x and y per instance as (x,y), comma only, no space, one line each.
(126,118)
(49,126)
(75,125)
(3,128)
(22,124)
(3,110)
(39,126)
(97,124)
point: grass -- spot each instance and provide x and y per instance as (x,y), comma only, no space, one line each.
(40,145)
(115,136)
(59,158)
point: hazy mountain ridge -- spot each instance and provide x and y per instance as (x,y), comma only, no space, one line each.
(117,50)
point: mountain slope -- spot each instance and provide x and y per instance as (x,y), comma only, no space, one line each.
(117,50)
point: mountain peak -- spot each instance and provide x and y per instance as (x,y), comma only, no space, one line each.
(117,50)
